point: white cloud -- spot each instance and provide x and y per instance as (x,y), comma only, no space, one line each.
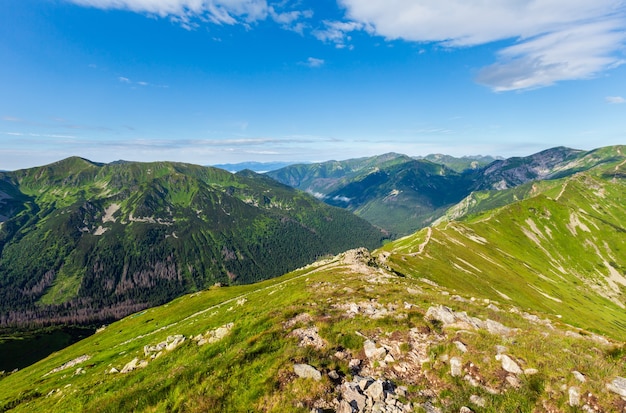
(615,99)
(123,79)
(291,20)
(225,12)
(555,39)
(314,62)
(338,32)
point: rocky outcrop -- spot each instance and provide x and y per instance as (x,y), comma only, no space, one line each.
(214,335)
(168,345)
(69,364)
(365,394)
(308,337)
(449,318)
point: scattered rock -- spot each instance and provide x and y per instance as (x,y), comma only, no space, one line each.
(351,393)
(113,370)
(375,391)
(308,337)
(304,318)
(579,376)
(513,381)
(429,408)
(501,349)
(495,327)
(530,372)
(441,313)
(364,394)
(465,409)
(618,385)
(306,371)
(333,375)
(213,336)
(493,308)
(508,364)
(478,401)
(67,365)
(455,367)
(169,344)
(574,396)
(461,320)
(373,352)
(354,364)
(134,364)
(462,348)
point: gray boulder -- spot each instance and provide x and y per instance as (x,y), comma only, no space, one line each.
(306,371)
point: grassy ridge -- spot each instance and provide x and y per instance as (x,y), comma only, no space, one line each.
(561,254)
(84,242)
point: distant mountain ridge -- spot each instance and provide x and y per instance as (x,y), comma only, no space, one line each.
(258,167)
(461,164)
(401,194)
(87,242)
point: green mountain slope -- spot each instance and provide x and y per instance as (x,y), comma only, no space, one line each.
(560,251)
(604,163)
(84,242)
(394,192)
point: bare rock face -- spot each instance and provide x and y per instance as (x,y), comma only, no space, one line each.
(306,371)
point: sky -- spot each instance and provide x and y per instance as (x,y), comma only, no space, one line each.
(225,81)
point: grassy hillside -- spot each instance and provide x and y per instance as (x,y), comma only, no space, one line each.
(561,252)
(84,242)
(354,324)
(520,309)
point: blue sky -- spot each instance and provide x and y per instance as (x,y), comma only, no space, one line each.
(216,81)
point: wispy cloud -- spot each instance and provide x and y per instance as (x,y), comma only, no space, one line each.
(293,20)
(555,40)
(123,79)
(190,13)
(338,32)
(314,62)
(615,99)
(11,119)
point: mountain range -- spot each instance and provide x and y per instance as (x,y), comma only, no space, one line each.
(510,305)
(83,242)
(401,194)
